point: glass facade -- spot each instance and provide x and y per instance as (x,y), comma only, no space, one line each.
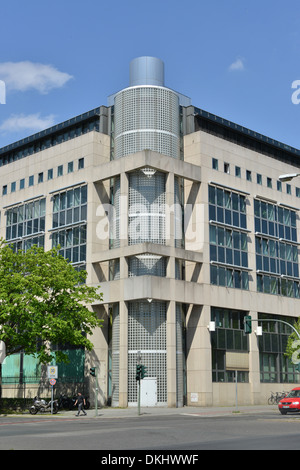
(228,336)
(25,224)
(275,367)
(70,207)
(69,223)
(228,239)
(276,249)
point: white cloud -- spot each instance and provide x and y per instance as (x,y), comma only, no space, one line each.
(237,65)
(31,122)
(23,76)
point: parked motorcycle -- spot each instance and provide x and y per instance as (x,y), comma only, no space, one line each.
(65,402)
(42,406)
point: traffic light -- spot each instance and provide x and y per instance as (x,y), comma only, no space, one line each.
(93,371)
(138,372)
(144,372)
(247,325)
(141,372)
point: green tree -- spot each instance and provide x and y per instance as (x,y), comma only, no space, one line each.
(293,345)
(43,302)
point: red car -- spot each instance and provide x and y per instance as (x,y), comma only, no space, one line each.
(290,403)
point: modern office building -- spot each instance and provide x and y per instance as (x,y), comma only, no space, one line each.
(181,219)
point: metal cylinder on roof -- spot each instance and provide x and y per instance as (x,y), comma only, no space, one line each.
(147,71)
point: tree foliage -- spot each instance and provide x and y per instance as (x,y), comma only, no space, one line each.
(293,344)
(43,302)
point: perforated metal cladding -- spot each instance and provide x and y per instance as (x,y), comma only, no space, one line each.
(147,334)
(147,196)
(147,264)
(114,353)
(147,118)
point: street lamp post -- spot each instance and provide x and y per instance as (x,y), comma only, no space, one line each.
(288,177)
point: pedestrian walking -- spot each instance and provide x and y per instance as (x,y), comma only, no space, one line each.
(80,400)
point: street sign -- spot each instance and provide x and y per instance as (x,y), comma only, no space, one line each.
(52,372)
(52,382)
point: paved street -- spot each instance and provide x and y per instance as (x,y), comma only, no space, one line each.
(159,430)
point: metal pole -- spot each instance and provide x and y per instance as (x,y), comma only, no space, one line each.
(236,390)
(139,397)
(96,401)
(52,399)
(138,360)
(280,321)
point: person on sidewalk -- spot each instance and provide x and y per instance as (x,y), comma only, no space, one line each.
(80,400)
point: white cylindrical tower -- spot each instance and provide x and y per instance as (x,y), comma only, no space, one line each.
(146,114)
(146,117)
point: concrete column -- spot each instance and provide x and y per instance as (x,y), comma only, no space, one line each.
(171,354)
(170,192)
(124,193)
(254,367)
(199,376)
(123,364)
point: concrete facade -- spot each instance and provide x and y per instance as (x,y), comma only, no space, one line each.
(185,292)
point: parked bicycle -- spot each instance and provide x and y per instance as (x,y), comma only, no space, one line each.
(276,397)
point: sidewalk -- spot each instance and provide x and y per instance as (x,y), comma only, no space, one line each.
(183,411)
(132,412)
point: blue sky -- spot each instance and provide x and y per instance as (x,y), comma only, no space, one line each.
(234,58)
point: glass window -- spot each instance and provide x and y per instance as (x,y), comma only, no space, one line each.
(227,207)
(215,164)
(80,163)
(228,246)
(70,167)
(228,336)
(60,170)
(258,178)
(69,208)
(226,168)
(24,220)
(274,365)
